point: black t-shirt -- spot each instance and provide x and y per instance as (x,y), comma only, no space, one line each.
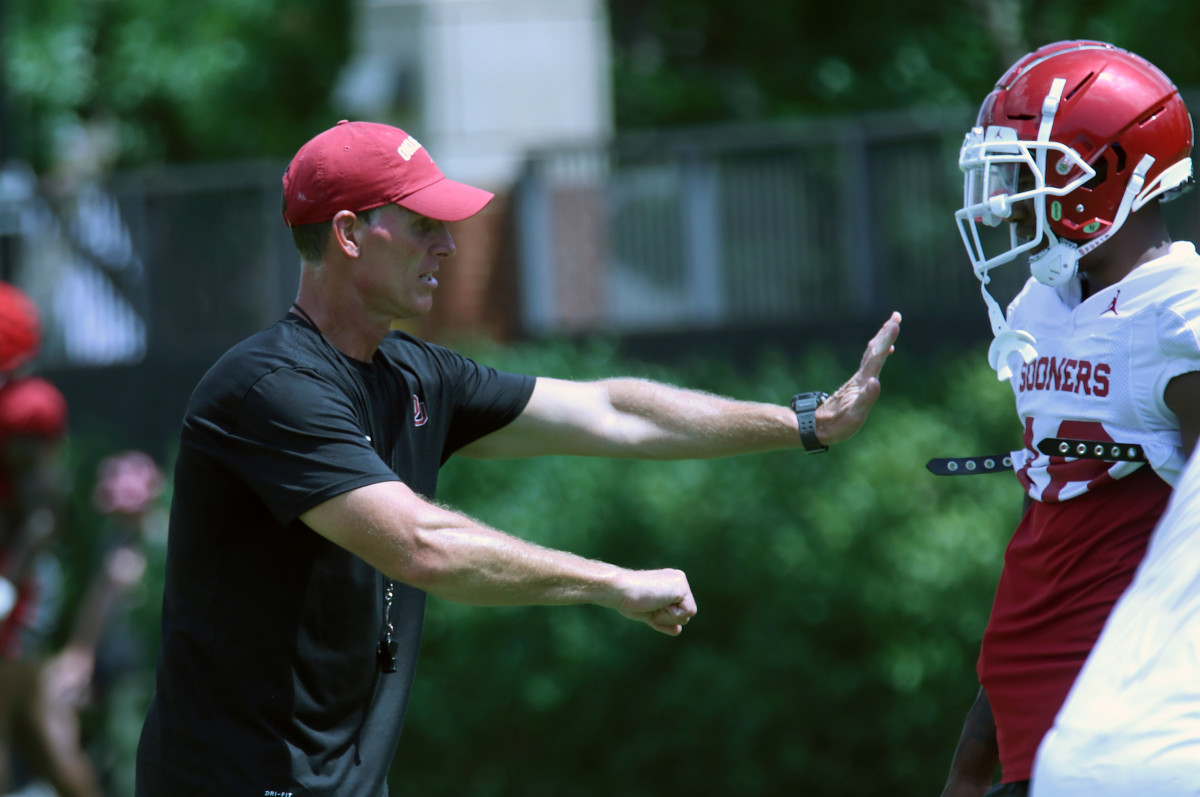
(268,678)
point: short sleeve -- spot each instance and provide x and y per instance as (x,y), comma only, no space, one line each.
(296,442)
(483,399)
(1179,337)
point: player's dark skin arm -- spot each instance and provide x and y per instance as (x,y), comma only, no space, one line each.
(977,754)
(1182,396)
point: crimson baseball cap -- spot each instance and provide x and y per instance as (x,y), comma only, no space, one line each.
(362,165)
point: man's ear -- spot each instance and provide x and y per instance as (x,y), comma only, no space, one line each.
(346,231)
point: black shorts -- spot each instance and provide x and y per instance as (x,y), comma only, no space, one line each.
(1018,788)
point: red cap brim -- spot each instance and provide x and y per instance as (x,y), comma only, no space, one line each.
(446,200)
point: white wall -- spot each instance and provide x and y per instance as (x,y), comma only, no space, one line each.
(480,82)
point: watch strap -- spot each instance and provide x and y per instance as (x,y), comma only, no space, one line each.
(805,406)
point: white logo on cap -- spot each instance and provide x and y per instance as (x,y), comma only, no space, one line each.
(408,148)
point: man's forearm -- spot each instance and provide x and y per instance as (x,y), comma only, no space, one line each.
(452,556)
(637,418)
(664,422)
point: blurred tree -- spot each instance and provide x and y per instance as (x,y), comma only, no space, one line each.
(167,81)
(700,61)
(233,78)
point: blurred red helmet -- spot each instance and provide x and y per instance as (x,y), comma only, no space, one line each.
(20,328)
(32,407)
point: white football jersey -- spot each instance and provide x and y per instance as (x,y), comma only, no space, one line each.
(1130,726)
(1101,368)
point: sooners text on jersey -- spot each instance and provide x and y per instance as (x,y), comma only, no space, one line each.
(1101,370)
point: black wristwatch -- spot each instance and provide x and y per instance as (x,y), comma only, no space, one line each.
(805,406)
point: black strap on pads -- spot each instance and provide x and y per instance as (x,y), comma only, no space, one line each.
(969,466)
(1092,449)
(1051,446)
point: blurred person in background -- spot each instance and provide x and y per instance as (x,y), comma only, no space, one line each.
(79,674)
(99,650)
(126,492)
(37,715)
(304,535)
(1074,150)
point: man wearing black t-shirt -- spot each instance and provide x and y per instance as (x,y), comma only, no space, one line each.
(303,534)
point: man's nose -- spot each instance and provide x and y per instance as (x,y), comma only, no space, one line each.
(444,247)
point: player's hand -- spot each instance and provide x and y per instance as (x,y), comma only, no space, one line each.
(846,410)
(661,599)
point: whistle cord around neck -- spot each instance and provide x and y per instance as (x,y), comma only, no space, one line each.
(304,314)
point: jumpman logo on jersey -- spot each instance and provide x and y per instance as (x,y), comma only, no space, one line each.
(1112,306)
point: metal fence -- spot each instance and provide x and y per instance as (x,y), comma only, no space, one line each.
(701,230)
(709,230)
(720,228)
(143,281)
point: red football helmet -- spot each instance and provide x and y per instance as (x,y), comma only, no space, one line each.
(1087,133)
(1100,131)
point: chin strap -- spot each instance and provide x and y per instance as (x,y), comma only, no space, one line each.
(1011,348)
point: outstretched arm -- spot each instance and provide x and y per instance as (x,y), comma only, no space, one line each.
(642,419)
(454,557)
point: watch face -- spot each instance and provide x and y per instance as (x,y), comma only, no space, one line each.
(806,402)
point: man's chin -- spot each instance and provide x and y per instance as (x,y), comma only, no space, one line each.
(411,315)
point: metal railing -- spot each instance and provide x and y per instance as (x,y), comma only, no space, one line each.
(178,263)
(768,225)
(718,228)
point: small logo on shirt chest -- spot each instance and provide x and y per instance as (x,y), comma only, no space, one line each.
(1112,306)
(420,417)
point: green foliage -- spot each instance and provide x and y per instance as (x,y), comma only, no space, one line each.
(841,599)
(237,78)
(700,61)
(177,81)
